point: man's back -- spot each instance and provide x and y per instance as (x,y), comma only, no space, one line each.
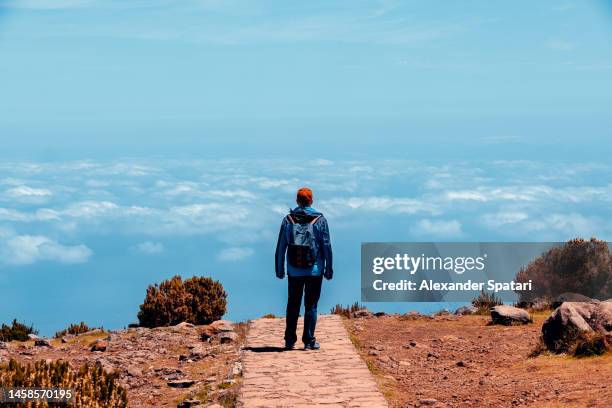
(305,233)
(323,262)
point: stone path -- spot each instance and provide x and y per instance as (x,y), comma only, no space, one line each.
(334,376)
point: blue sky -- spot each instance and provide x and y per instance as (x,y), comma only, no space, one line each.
(141,139)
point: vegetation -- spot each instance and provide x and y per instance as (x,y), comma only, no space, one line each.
(485,301)
(346,311)
(74,329)
(91,386)
(269,316)
(579,344)
(590,344)
(578,266)
(17,331)
(197,300)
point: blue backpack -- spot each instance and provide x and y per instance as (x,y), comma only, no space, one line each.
(302,248)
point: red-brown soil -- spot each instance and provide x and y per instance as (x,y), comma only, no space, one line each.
(463,362)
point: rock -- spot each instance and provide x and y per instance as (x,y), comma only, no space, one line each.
(3,345)
(539,305)
(228,337)
(237,369)
(183,325)
(569,297)
(134,371)
(508,315)
(198,352)
(99,345)
(466,310)
(379,314)
(189,403)
(169,374)
(460,363)
(66,338)
(32,336)
(181,383)
(571,319)
(207,332)
(362,313)
(428,401)
(222,326)
(42,343)
(411,344)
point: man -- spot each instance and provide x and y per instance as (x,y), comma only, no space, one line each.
(304,241)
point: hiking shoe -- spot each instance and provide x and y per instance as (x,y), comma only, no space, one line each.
(312,346)
(289,346)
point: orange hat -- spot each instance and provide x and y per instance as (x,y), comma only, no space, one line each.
(304,196)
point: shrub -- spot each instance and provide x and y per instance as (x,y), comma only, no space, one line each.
(442,312)
(485,301)
(346,311)
(197,300)
(74,329)
(579,266)
(18,331)
(590,344)
(91,386)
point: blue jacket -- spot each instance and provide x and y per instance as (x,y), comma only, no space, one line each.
(324,253)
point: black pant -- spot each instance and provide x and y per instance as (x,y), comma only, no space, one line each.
(311,287)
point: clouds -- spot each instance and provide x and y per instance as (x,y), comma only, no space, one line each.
(437,229)
(235,254)
(239,203)
(149,248)
(25,191)
(28,249)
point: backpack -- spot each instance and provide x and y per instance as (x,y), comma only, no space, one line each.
(302,248)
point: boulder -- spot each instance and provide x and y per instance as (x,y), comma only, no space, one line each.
(99,345)
(508,315)
(569,297)
(565,325)
(42,343)
(3,345)
(32,336)
(66,338)
(466,310)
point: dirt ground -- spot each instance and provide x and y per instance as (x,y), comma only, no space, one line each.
(463,362)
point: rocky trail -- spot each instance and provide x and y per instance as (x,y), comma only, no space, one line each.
(334,376)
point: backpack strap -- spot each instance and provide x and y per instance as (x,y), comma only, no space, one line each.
(290,218)
(314,219)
